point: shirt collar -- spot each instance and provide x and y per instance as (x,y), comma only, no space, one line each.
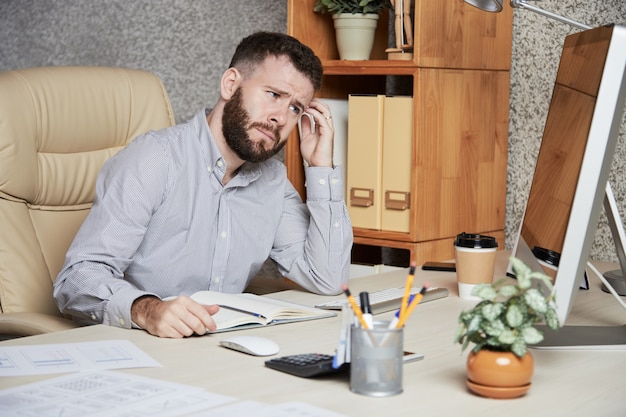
(248,172)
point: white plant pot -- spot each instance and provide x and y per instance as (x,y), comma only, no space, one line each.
(355,35)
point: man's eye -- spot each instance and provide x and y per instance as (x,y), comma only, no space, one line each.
(295,109)
(273,94)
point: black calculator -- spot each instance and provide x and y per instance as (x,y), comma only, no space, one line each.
(306,365)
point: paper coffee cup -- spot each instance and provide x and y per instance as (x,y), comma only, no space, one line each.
(475,257)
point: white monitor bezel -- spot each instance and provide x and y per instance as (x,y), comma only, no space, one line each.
(592,181)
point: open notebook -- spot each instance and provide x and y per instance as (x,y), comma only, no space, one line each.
(240,311)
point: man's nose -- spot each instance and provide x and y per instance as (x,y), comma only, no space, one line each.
(278,115)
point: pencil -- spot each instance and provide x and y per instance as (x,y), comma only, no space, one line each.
(357,310)
(416,300)
(407,291)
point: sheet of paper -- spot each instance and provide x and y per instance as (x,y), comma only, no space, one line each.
(257,409)
(106,393)
(72,357)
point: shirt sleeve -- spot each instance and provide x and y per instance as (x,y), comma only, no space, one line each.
(90,286)
(314,241)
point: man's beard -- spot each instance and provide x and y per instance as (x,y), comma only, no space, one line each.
(235,124)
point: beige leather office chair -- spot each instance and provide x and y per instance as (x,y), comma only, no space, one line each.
(58,125)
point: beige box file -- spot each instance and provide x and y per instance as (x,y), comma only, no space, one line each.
(364,160)
(396,174)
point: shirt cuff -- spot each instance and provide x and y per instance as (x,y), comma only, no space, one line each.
(118,309)
(324,183)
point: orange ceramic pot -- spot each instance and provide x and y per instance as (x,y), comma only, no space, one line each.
(499,374)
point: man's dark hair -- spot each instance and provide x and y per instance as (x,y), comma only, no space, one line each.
(254,49)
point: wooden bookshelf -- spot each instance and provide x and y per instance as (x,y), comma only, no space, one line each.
(459,80)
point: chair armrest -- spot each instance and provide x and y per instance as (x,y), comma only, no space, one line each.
(29,324)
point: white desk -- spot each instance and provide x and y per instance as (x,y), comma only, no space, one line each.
(565,383)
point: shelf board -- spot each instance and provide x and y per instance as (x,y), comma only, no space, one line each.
(371,67)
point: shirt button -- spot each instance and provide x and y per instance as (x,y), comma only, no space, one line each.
(322,181)
(209,169)
(217,280)
(121,321)
(334,181)
(220,163)
(223,235)
(93,316)
(336,225)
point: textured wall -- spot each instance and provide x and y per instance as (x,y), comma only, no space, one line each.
(188,43)
(537,46)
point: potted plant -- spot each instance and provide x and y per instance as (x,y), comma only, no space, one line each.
(501,326)
(351,6)
(355,24)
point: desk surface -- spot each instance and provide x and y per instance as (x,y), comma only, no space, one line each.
(565,383)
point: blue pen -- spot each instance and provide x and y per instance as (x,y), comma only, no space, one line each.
(239,310)
(396,317)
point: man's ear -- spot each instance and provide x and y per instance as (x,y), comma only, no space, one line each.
(230,82)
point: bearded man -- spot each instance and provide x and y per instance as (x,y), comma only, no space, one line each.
(202,205)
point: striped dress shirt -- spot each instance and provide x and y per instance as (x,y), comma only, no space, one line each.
(163,224)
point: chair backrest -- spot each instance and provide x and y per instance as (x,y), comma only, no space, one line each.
(58,125)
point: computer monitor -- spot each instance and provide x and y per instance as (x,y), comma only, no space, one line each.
(570,182)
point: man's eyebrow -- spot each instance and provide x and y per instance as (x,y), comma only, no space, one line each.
(296,101)
(300,105)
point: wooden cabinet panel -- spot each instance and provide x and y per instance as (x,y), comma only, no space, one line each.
(452,34)
(460,87)
(461,151)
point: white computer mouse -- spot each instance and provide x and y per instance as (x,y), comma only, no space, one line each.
(252,345)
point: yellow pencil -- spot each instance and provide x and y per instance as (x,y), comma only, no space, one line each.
(416,300)
(355,307)
(407,291)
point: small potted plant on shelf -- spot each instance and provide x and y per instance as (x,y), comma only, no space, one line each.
(351,6)
(501,326)
(355,24)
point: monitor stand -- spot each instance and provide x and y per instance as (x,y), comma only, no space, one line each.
(582,338)
(616,277)
(595,337)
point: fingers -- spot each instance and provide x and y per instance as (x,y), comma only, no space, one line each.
(178,318)
(196,318)
(212,309)
(321,112)
(317,149)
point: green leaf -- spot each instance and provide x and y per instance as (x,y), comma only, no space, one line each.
(351,6)
(536,301)
(484,291)
(514,316)
(507,337)
(465,344)
(474,324)
(519,348)
(546,280)
(552,320)
(522,273)
(493,328)
(478,347)
(531,335)
(507,291)
(491,311)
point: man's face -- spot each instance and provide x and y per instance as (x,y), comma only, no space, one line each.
(236,124)
(264,109)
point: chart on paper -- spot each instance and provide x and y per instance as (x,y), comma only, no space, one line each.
(72,357)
